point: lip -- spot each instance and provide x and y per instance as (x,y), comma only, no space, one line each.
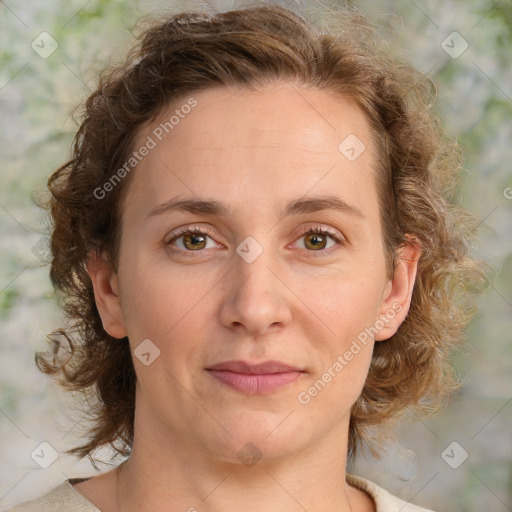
(263,368)
(255,379)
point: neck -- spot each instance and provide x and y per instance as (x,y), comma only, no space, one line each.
(168,476)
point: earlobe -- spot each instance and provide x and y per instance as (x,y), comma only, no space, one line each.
(106,294)
(398,293)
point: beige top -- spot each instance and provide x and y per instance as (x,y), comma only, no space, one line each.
(64,498)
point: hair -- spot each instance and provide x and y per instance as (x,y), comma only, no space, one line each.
(417,176)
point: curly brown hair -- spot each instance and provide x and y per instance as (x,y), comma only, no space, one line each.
(417,179)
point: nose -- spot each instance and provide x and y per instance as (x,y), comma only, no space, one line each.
(256,299)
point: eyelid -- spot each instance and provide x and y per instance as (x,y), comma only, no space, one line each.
(188,229)
(323,229)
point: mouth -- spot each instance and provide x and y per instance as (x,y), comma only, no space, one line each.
(255,379)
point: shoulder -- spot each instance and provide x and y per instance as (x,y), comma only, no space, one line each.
(63,498)
(384,501)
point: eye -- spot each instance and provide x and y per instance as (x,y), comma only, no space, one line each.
(194,239)
(317,238)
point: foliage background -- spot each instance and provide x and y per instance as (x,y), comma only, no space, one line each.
(37,97)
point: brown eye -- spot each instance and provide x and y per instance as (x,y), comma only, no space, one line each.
(315,241)
(194,241)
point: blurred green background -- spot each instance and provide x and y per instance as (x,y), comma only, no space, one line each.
(38,92)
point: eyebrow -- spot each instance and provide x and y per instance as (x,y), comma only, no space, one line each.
(295,207)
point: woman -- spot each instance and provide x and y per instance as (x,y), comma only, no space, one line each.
(262,266)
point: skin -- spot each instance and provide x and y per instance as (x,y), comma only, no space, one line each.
(255,151)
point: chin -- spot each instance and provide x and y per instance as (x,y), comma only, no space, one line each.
(256,438)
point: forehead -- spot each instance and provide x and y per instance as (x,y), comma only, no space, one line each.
(282,139)
(293,113)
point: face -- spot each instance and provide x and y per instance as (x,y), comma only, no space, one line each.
(287,264)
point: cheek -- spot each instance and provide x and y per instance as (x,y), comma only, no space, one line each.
(346,302)
(347,309)
(158,299)
(347,305)
(171,308)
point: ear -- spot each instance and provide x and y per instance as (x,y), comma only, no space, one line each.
(106,294)
(398,293)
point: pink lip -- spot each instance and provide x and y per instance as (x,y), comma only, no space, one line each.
(255,369)
(255,379)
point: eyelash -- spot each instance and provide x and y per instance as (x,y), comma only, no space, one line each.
(317,230)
